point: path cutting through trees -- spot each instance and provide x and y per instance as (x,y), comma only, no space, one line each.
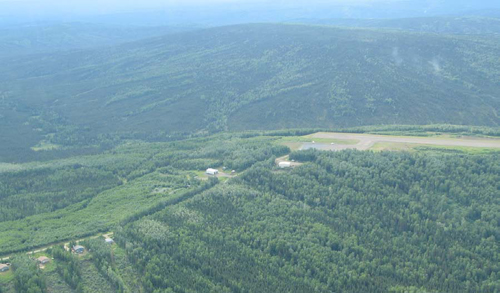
(366,141)
(65,244)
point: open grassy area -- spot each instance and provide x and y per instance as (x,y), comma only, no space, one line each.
(6,277)
(467,150)
(45,146)
(309,138)
(413,147)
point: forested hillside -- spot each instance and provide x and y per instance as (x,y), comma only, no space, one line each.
(461,25)
(343,222)
(45,38)
(260,76)
(42,203)
(348,221)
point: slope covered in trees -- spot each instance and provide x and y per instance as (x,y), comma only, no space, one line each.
(43,203)
(343,222)
(261,76)
(461,25)
(346,221)
(46,38)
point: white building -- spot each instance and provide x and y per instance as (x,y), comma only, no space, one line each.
(211,171)
(109,241)
(285,164)
(78,249)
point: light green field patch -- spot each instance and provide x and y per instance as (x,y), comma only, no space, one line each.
(6,277)
(48,267)
(6,167)
(78,220)
(395,146)
(294,146)
(467,150)
(45,146)
(309,138)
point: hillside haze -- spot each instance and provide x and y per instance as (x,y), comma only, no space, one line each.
(257,76)
(46,38)
(465,25)
(249,146)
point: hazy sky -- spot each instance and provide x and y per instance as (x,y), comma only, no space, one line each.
(86,7)
(211,11)
(120,5)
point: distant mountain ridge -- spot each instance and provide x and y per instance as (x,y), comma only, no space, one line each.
(46,38)
(462,25)
(260,76)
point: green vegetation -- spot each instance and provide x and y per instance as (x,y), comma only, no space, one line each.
(36,39)
(68,268)
(387,146)
(28,277)
(245,77)
(346,221)
(73,198)
(117,139)
(467,25)
(6,277)
(103,259)
(318,140)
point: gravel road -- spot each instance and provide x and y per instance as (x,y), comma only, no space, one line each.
(366,141)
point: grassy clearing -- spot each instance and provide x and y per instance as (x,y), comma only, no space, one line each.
(126,269)
(296,142)
(94,281)
(413,147)
(6,277)
(45,146)
(294,146)
(6,167)
(48,267)
(56,284)
(467,150)
(310,138)
(393,146)
(79,220)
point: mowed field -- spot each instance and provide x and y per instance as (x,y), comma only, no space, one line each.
(335,141)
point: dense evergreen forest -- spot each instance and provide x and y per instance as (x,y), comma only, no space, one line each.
(347,221)
(245,77)
(107,133)
(49,38)
(464,25)
(58,200)
(343,222)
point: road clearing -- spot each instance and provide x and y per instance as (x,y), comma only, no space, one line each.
(368,141)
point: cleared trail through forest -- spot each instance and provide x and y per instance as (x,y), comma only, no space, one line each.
(366,141)
(65,244)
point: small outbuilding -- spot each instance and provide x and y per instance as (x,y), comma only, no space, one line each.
(4,267)
(109,241)
(211,171)
(43,260)
(285,164)
(78,249)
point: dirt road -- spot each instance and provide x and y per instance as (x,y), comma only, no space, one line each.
(66,244)
(366,141)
